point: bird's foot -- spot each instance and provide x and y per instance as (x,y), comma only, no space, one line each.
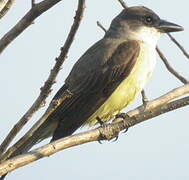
(103,124)
(122,116)
(115,139)
(106,133)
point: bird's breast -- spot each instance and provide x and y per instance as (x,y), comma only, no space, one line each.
(126,92)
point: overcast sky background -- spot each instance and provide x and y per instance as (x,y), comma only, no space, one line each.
(156,149)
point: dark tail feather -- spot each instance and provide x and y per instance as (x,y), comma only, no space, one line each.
(24,148)
(44,131)
(65,128)
(40,134)
(3,176)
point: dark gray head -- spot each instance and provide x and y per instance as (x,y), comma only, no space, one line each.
(140,23)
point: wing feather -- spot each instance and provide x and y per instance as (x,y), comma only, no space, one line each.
(93,87)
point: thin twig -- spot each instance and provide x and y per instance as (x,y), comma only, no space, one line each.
(178,45)
(45,90)
(26,21)
(5,7)
(123,4)
(101,26)
(103,133)
(170,68)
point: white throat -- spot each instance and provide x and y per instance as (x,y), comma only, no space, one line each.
(148,35)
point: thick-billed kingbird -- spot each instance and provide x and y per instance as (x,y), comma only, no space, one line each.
(108,76)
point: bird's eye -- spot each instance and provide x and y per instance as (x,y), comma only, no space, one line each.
(148,20)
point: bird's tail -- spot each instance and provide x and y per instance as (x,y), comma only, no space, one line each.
(43,131)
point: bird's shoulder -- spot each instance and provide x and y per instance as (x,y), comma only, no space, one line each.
(125,51)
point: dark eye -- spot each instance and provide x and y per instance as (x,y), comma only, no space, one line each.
(148,20)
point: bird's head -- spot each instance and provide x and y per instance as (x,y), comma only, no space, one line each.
(140,23)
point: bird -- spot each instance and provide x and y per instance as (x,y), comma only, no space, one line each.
(108,76)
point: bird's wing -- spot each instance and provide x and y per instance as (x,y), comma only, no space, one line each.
(93,87)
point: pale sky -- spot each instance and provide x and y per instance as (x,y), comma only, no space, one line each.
(156,149)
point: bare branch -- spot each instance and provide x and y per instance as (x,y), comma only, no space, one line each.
(102,133)
(26,21)
(170,69)
(178,45)
(153,104)
(160,101)
(123,4)
(5,6)
(101,26)
(45,90)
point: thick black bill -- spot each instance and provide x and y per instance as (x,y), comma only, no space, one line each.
(166,27)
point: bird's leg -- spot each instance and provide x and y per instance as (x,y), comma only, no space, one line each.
(99,120)
(121,115)
(144,98)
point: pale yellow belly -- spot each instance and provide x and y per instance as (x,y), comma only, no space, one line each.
(129,88)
